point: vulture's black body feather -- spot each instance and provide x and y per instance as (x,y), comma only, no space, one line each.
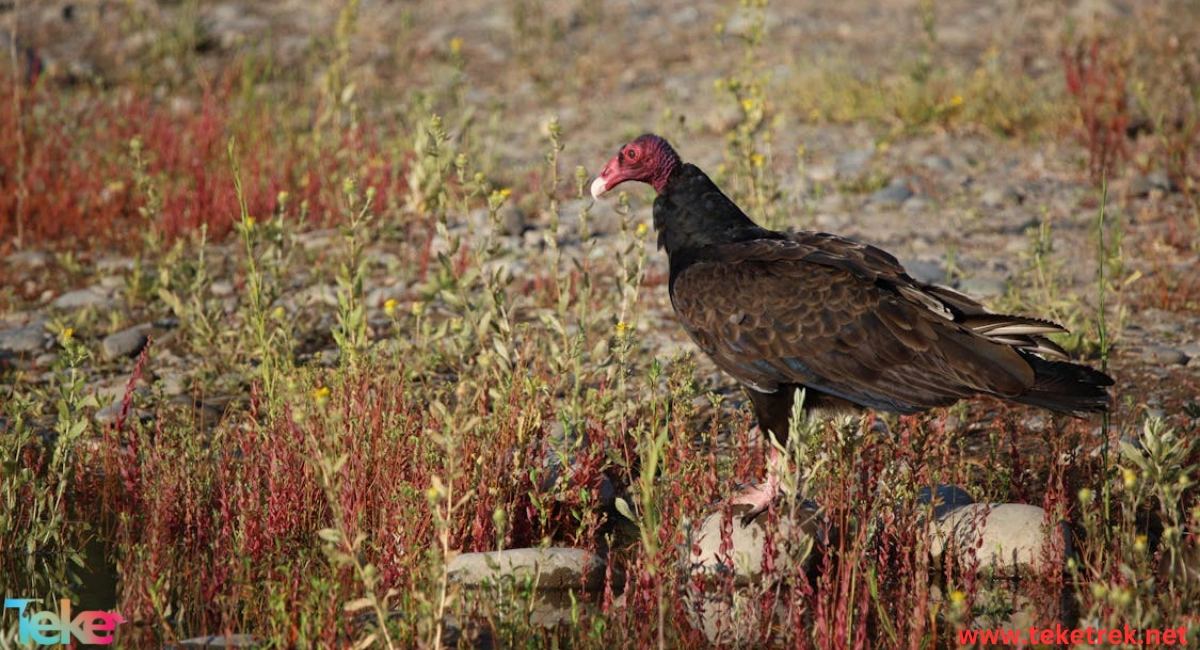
(842,319)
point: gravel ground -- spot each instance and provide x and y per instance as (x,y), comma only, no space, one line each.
(955,204)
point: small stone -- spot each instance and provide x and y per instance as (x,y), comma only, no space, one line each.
(851,163)
(1155,412)
(723,117)
(744,21)
(378,296)
(126,343)
(915,204)
(1159,180)
(221,288)
(894,194)
(1035,423)
(928,271)
(315,240)
(110,413)
(172,383)
(109,389)
(23,340)
(728,619)
(998,197)
(560,481)
(1164,355)
(937,163)
(945,498)
(550,568)
(1136,187)
(112,265)
(230,24)
(983,287)
(1183,569)
(29,259)
(223,641)
(820,173)
(1008,537)
(746,553)
(1019,613)
(81,298)
(328,357)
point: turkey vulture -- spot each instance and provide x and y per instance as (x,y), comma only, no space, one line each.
(781,311)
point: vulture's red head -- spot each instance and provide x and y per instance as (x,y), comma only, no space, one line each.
(647,158)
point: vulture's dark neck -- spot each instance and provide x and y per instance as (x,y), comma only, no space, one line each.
(692,215)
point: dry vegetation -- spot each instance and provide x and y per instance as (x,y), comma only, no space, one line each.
(383,272)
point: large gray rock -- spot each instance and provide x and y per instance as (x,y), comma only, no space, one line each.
(548,568)
(23,340)
(126,343)
(95,296)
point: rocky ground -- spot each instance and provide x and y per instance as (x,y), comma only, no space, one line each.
(956,206)
(958,202)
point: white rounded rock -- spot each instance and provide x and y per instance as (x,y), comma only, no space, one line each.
(547,568)
(1007,537)
(743,550)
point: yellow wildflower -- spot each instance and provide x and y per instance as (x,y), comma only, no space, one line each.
(456,46)
(956,101)
(757,159)
(389,307)
(67,334)
(321,395)
(641,230)
(505,192)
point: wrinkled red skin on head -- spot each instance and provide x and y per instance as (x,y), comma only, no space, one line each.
(647,158)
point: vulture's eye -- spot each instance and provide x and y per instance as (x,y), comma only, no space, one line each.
(631,154)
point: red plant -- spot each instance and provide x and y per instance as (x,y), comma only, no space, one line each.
(1095,78)
(67,175)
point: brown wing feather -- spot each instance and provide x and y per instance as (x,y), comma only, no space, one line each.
(773,312)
